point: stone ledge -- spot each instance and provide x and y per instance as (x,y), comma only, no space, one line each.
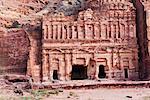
(92,84)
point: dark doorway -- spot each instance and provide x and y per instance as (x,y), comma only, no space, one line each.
(79,72)
(102,73)
(126,73)
(55,75)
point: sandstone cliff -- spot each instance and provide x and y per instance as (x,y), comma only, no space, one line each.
(14,46)
(14,43)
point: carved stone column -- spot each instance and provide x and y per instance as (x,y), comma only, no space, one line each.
(68,31)
(54,31)
(74,32)
(122,30)
(45,67)
(86,31)
(80,33)
(110,63)
(64,31)
(89,31)
(62,68)
(108,31)
(50,31)
(96,31)
(117,31)
(59,31)
(97,71)
(45,32)
(68,66)
(104,32)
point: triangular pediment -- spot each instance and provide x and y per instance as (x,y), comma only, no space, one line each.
(81,51)
(56,51)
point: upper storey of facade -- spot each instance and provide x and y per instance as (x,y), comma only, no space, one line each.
(114,22)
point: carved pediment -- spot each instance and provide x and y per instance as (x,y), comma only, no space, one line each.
(80,51)
(56,51)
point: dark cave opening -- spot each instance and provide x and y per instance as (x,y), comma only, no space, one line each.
(79,72)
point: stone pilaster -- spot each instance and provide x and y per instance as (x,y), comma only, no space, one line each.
(96,31)
(117,31)
(74,32)
(45,32)
(112,62)
(50,31)
(68,66)
(36,74)
(122,30)
(112,31)
(64,31)
(97,71)
(54,31)
(89,31)
(68,31)
(59,31)
(80,32)
(86,31)
(109,62)
(108,31)
(45,67)
(62,68)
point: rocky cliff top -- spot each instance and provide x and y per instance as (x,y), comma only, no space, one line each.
(25,10)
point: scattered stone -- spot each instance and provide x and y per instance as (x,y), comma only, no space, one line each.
(68,97)
(54,92)
(129,96)
(60,90)
(18,91)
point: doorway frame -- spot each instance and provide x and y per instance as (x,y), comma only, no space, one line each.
(85,72)
(104,72)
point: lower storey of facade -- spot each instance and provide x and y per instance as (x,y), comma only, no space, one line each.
(79,64)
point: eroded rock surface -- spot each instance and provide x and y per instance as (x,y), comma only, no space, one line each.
(14,51)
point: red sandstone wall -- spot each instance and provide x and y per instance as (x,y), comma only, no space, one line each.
(142,39)
(13,52)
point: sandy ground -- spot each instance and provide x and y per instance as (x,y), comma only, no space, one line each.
(104,94)
(8,92)
(90,94)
